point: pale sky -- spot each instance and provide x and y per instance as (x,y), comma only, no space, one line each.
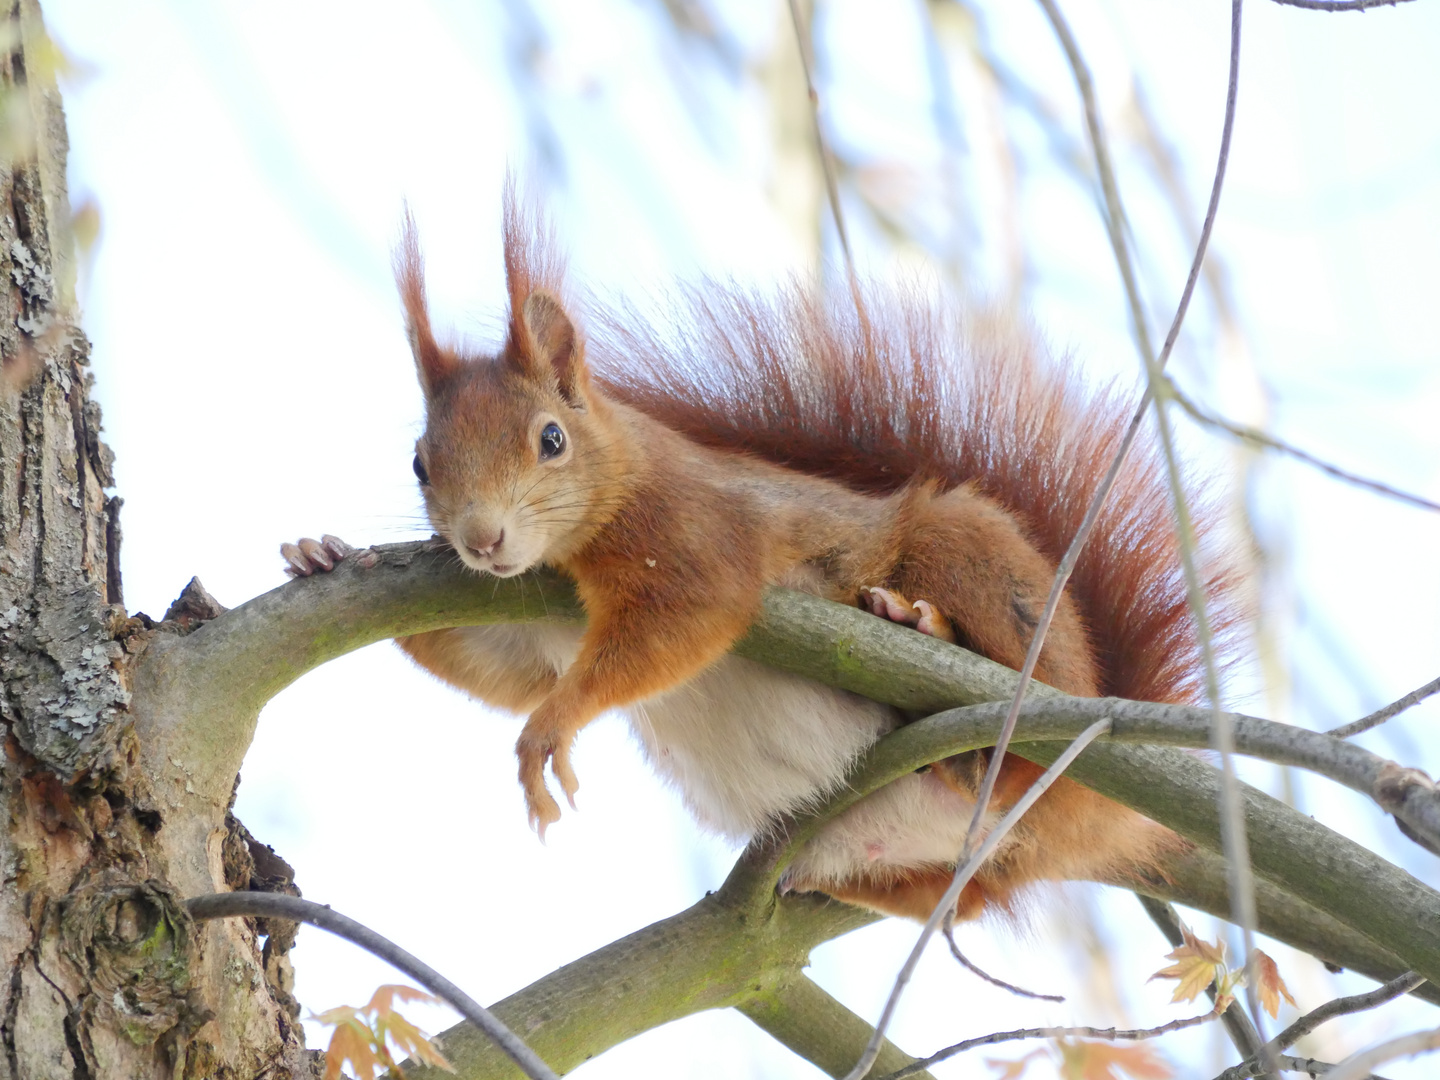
(250,160)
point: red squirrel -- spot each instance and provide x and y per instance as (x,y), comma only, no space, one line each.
(888,456)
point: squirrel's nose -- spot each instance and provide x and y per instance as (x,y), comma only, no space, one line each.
(486,544)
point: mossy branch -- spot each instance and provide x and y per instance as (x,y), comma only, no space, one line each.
(196,699)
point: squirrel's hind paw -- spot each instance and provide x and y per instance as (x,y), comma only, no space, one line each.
(314,556)
(921,614)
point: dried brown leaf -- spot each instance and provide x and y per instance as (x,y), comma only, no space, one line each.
(1272,987)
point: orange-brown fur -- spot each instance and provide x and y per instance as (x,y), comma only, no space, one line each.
(776,435)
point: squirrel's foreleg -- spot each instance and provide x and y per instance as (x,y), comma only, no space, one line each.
(630,652)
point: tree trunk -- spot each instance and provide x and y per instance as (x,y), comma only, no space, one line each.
(104,974)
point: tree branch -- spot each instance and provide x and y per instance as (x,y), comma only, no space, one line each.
(964,961)
(1339,5)
(1379,716)
(801,1015)
(1401,984)
(196,698)
(1133,1035)
(804,41)
(1231,819)
(710,956)
(1406,793)
(1358,1067)
(1312,1067)
(971,861)
(1196,878)
(277,906)
(1245,433)
(1300,856)
(1356,910)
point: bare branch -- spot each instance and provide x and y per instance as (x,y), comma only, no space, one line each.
(1405,793)
(1067,564)
(910,670)
(1295,853)
(1339,5)
(1379,716)
(1259,438)
(822,145)
(963,873)
(1320,885)
(1234,824)
(196,698)
(1232,820)
(1401,984)
(801,1015)
(1309,1066)
(277,906)
(1053,1033)
(1358,1066)
(948,929)
(1196,878)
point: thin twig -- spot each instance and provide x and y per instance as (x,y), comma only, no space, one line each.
(1357,1066)
(1379,716)
(1051,1033)
(1232,823)
(952,142)
(1251,435)
(1242,1032)
(276,906)
(963,874)
(1339,5)
(1344,1006)
(1401,984)
(1072,555)
(822,145)
(1309,1066)
(948,930)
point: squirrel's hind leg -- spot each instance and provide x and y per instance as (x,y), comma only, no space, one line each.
(914,896)
(973,561)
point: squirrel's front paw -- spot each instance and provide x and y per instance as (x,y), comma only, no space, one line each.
(534,749)
(314,556)
(891,605)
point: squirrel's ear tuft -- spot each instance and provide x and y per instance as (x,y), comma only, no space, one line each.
(432,363)
(546,345)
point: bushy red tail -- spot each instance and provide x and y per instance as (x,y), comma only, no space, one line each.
(921,392)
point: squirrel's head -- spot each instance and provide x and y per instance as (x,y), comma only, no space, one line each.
(513,461)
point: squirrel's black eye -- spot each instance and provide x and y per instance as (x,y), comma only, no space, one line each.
(552,442)
(420,473)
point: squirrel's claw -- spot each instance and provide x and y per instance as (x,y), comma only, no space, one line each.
(540,805)
(933,623)
(314,556)
(560,766)
(921,614)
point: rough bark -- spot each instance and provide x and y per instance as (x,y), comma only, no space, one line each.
(102,972)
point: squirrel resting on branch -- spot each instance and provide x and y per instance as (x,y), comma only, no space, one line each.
(885,454)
